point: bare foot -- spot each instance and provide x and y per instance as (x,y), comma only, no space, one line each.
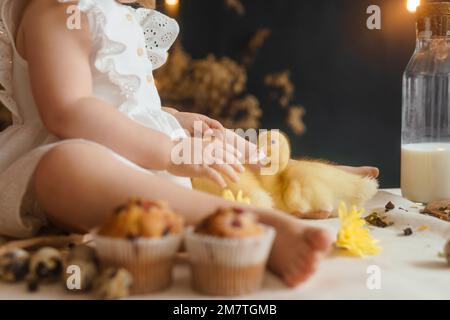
(297,250)
(362,171)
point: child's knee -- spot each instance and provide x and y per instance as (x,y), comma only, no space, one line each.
(61,158)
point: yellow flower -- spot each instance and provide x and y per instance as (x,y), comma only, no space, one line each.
(353,236)
(228,195)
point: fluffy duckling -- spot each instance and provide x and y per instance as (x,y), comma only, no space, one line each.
(304,188)
(310,188)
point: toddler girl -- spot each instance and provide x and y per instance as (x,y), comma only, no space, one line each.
(89,131)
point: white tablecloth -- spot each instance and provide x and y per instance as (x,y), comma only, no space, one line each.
(410,267)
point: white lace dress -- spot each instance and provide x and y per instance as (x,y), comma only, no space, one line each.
(129,44)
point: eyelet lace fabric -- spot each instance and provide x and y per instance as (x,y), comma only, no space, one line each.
(160,33)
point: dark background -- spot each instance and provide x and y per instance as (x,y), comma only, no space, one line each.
(348,78)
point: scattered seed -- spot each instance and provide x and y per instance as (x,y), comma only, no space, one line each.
(376,220)
(33,286)
(390,206)
(407,232)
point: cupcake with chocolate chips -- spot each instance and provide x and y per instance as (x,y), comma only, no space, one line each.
(228,253)
(142,237)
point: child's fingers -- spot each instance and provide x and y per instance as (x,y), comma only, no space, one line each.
(207,131)
(258,159)
(221,148)
(238,167)
(213,124)
(221,153)
(249,149)
(226,170)
(233,150)
(216,133)
(215,176)
(234,162)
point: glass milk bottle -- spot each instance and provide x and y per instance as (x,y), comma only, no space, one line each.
(425,168)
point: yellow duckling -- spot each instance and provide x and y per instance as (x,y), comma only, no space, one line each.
(240,198)
(300,187)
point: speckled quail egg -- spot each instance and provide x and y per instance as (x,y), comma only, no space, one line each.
(14,265)
(113,284)
(85,258)
(46,265)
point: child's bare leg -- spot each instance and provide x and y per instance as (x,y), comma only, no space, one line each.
(79,185)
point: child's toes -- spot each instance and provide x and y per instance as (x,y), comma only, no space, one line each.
(318,239)
(303,267)
(306,259)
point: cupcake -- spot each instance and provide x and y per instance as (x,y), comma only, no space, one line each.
(142,237)
(228,253)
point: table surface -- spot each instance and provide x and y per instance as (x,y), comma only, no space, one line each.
(409,267)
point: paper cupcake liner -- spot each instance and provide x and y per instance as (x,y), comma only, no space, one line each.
(150,261)
(228,267)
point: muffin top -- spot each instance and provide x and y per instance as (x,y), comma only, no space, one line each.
(231,223)
(142,219)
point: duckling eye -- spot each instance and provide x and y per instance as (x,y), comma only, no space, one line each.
(274,141)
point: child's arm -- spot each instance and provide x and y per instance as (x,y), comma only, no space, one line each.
(61,81)
(170,110)
(195,121)
(62,87)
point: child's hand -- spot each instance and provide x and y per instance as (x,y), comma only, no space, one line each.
(191,121)
(209,158)
(250,154)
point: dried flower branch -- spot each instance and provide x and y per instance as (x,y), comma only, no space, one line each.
(212,86)
(281,81)
(236,6)
(295,119)
(254,45)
